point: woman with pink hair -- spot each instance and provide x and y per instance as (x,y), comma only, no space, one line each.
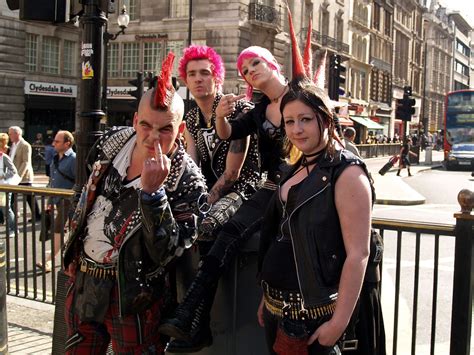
(261,71)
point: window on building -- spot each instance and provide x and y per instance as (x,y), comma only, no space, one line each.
(462,48)
(69,58)
(131,57)
(324,22)
(376,16)
(179,8)
(132,8)
(50,55)
(177,47)
(113,69)
(461,68)
(153,53)
(31,52)
(388,24)
(339,29)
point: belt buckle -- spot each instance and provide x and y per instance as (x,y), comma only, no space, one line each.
(83,266)
(350,344)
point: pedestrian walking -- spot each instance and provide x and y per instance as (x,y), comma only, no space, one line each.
(7,171)
(20,152)
(405,153)
(63,174)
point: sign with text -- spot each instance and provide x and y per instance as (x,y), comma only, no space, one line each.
(50,89)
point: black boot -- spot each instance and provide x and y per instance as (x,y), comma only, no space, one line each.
(192,315)
(200,334)
(398,172)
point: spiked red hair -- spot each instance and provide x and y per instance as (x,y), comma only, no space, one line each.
(164,88)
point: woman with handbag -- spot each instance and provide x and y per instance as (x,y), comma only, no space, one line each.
(8,173)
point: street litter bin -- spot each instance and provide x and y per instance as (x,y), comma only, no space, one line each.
(3,302)
(428,155)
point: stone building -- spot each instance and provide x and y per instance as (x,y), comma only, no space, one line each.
(438,63)
(380,59)
(38,74)
(407,65)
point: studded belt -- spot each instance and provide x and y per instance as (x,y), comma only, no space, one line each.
(282,303)
(95,269)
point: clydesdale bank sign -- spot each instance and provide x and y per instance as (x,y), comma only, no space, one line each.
(50,89)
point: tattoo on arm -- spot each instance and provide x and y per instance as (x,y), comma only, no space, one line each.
(221,186)
(237,146)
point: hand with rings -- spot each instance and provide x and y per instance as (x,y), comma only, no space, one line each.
(227,105)
(155,170)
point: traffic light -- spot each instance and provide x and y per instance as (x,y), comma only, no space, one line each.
(337,77)
(139,83)
(55,11)
(406,106)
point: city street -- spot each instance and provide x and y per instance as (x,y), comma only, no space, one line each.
(440,188)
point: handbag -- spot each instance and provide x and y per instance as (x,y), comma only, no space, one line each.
(14,180)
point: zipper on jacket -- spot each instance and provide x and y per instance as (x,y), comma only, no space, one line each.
(118,268)
(291,236)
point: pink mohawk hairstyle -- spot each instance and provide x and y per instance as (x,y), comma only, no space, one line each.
(164,88)
(197,52)
(297,61)
(308,54)
(256,52)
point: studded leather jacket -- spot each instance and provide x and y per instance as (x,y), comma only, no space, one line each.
(158,232)
(213,151)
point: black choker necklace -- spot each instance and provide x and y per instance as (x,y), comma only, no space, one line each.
(278,97)
(307,162)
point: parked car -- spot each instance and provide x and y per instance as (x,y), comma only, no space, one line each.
(461,156)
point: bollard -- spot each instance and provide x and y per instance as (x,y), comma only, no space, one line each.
(428,155)
(3,303)
(463,283)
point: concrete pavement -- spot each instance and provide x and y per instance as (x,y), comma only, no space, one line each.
(30,323)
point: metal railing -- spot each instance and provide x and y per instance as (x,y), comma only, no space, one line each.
(407,244)
(378,150)
(264,13)
(24,249)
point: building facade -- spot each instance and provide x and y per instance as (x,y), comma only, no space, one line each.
(385,45)
(38,75)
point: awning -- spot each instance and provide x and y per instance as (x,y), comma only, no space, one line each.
(364,121)
(343,121)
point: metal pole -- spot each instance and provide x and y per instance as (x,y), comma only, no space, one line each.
(190,37)
(106,67)
(93,23)
(423,109)
(463,281)
(3,302)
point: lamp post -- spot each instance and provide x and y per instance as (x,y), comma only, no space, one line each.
(93,21)
(123,20)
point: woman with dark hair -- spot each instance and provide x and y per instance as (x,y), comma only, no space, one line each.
(315,236)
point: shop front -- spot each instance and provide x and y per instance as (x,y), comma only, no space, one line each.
(49,107)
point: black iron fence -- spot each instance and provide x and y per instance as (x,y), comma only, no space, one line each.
(427,308)
(30,241)
(378,150)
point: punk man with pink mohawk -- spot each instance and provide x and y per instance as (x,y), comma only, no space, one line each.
(229,166)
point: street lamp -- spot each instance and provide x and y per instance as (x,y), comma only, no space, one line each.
(122,20)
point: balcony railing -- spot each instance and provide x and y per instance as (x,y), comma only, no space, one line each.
(264,13)
(327,41)
(361,20)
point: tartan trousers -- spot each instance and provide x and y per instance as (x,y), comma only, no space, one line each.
(131,334)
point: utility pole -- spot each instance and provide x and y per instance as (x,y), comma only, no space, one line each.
(93,22)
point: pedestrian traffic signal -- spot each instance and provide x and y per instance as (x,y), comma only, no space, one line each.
(337,77)
(139,83)
(55,11)
(406,106)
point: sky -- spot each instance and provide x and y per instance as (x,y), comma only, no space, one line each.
(465,7)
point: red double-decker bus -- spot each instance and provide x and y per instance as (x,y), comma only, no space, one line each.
(459,128)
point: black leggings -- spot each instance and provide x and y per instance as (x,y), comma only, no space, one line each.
(246,221)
